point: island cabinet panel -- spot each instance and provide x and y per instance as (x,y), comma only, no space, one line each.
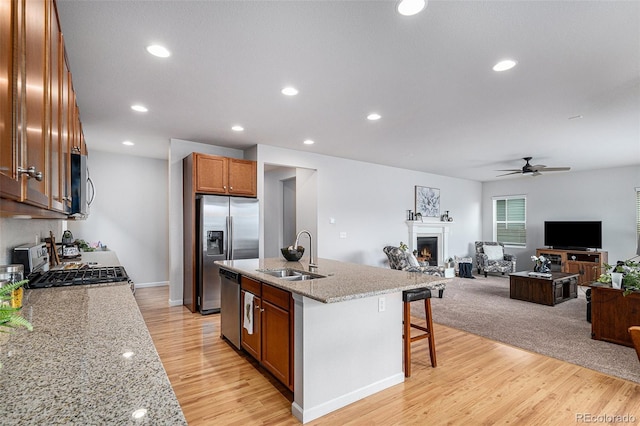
(271,342)
(612,314)
(275,341)
(251,342)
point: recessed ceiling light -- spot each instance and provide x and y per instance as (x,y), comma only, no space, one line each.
(128,143)
(308,142)
(159,51)
(139,108)
(505,65)
(410,7)
(290,91)
(237,128)
(374,116)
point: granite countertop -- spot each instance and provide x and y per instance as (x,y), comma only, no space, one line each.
(343,281)
(71,370)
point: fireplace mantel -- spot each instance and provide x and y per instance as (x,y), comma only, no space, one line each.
(430,229)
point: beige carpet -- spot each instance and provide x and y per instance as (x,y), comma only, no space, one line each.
(482,306)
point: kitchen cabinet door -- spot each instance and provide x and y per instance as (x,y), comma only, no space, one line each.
(276,341)
(252,342)
(34,90)
(242,177)
(9,180)
(211,174)
(56,150)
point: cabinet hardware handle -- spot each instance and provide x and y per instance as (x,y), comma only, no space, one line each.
(257,307)
(261,310)
(231,188)
(31,173)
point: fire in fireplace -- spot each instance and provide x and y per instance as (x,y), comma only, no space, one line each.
(428,250)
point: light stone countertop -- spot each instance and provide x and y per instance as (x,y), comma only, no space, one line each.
(343,281)
(71,370)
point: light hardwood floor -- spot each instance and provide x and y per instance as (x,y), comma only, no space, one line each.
(477,381)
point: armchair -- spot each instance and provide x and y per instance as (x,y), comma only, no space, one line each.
(401,260)
(490,257)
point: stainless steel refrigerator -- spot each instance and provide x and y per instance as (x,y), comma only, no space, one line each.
(227,230)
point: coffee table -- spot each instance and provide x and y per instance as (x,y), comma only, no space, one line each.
(546,291)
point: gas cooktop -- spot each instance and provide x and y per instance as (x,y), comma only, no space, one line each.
(82,276)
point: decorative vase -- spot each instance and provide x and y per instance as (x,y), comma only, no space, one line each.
(616,279)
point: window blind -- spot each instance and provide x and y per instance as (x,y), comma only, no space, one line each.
(510,225)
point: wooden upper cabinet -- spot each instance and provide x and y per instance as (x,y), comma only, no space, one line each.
(223,175)
(211,173)
(9,180)
(34,89)
(242,177)
(57,155)
(39,117)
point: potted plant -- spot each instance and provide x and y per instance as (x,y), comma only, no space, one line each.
(9,316)
(630,274)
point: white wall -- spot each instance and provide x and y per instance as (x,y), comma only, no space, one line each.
(17,232)
(273,206)
(607,195)
(369,203)
(129,214)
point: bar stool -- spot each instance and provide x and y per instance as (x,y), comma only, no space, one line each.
(409,296)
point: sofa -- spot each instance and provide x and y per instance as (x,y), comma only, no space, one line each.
(490,257)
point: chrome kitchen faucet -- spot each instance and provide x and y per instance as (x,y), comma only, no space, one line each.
(312,260)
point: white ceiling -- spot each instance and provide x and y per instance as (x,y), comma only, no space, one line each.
(444,110)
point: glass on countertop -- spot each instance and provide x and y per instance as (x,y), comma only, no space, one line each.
(10,274)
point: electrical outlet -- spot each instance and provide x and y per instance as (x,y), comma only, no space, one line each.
(381,304)
(343,235)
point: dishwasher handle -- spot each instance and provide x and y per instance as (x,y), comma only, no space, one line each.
(230,275)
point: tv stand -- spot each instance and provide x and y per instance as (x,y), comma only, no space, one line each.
(587,264)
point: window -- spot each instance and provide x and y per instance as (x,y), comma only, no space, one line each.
(510,220)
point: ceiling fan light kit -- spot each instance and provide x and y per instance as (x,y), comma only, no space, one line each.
(535,170)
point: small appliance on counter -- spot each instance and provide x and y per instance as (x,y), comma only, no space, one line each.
(34,258)
(69,248)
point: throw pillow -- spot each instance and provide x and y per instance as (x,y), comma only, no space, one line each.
(412,260)
(493,252)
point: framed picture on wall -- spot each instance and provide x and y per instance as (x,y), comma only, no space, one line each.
(428,201)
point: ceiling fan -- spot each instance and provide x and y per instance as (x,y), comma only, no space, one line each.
(533,170)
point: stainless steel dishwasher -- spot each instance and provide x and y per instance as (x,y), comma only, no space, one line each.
(230,325)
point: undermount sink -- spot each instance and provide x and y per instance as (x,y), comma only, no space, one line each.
(291,274)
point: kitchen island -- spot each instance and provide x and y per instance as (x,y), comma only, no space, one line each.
(89,360)
(347,328)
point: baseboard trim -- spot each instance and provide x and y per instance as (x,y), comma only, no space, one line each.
(156,284)
(309,414)
(177,302)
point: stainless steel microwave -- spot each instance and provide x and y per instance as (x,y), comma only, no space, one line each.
(82,189)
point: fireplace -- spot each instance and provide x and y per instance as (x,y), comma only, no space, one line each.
(437,233)
(428,250)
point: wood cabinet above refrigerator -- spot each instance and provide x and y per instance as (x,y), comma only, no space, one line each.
(217,175)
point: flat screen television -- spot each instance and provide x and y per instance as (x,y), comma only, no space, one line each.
(573,235)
